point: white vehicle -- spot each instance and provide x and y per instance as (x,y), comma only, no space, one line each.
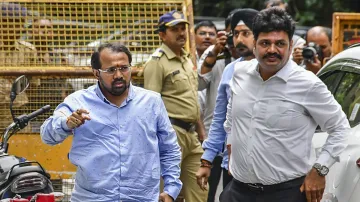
(342,76)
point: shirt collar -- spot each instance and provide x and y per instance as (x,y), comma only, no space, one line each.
(170,54)
(283,73)
(130,96)
(254,67)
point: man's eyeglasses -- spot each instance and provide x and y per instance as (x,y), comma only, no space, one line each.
(204,34)
(112,70)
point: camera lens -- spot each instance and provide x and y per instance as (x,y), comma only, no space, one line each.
(309,53)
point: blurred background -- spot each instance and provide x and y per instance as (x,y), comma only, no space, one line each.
(305,12)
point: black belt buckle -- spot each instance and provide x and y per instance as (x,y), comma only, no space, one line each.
(255,187)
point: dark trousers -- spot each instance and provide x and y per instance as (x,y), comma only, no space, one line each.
(214,178)
(226,177)
(284,192)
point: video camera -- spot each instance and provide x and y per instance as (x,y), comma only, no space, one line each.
(310,51)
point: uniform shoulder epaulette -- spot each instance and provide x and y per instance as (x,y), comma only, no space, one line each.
(157,54)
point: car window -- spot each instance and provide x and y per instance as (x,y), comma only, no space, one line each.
(330,79)
(348,96)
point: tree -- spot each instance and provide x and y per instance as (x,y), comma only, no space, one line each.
(305,12)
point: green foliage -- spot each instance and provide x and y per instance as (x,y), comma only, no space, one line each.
(305,12)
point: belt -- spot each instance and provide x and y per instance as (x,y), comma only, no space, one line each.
(260,188)
(182,124)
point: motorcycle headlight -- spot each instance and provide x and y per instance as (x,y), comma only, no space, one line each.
(29,182)
(329,197)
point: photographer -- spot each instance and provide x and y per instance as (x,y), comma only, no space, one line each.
(317,48)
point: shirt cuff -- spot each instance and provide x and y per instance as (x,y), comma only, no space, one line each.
(207,76)
(64,125)
(209,155)
(326,159)
(172,190)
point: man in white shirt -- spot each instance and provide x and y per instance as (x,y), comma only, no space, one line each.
(273,111)
(217,78)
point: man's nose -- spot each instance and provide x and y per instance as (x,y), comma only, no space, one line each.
(118,74)
(240,38)
(272,48)
(182,32)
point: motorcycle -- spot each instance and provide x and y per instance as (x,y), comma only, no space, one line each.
(19,177)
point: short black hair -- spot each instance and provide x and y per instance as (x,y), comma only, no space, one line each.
(162,28)
(115,47)
(273,19)
(205,23)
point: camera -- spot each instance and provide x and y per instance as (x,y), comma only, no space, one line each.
(311,50)
(229,43)
(229,40)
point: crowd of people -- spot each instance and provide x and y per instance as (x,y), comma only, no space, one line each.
(248,113)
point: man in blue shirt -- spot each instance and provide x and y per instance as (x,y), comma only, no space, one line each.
(241,27)
(123,139)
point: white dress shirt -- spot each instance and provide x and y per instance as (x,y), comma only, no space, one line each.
(272,122)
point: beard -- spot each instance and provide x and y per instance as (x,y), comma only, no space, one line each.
(115,90)
(243,51)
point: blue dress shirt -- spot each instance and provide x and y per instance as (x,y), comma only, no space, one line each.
(122,151)
(215,142)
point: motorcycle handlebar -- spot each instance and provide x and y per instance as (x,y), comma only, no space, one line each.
(38,112)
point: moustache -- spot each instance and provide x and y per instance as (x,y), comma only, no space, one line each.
(241,45)
(272,55)
(118,80)
(181,37)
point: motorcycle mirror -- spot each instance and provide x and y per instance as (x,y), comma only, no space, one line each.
(20,85)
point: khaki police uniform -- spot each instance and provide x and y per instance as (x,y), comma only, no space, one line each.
(177,82)
(20,54)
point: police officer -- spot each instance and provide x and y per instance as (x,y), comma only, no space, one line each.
(13,52)
(170,72)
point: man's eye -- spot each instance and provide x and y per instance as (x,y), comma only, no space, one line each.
(280,44)
(211,34)
(246,34)
(111,70)
(124,68)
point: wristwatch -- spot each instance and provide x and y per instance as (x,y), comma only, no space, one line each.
(321,170)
